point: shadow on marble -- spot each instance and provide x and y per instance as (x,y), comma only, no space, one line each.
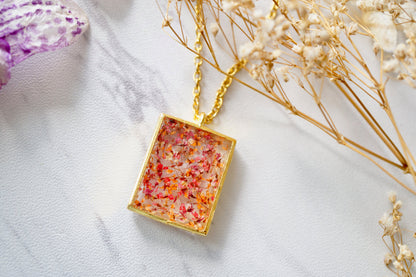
(117,10)
(132,85)
(39,86)
(191,244)
(319,140)
(44,79)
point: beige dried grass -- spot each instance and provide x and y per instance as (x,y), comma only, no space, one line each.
(311,43)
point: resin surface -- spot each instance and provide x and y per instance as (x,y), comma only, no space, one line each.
(183,174)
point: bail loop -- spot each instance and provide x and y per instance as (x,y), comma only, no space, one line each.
(201,119)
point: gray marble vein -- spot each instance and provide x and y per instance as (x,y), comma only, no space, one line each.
(74,128)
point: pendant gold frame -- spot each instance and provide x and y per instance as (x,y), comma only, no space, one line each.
(146,161)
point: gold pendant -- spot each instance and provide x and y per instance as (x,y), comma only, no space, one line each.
(182,176)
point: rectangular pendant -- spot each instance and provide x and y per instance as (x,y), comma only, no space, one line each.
(182,176)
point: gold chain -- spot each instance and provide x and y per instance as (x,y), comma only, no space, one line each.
(201,116)
(273,11)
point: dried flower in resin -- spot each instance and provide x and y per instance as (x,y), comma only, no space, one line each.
(182,177)
(30,27)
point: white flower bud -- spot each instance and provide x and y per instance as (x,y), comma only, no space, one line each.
(405,253)
(166,21)
(313,18)
(276,53)
(298,49)
(398,265)
(214,28)
(392,197)
(391,65)
(397,205)
(400,52)
(352,28)
(388,259)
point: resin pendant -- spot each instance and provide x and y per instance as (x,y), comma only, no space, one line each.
(182,176)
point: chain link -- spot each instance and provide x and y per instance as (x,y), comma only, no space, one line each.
(273,11)
(201,116)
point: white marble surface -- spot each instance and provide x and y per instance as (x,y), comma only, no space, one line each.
(74,128)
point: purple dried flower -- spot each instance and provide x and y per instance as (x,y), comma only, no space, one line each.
(35,26)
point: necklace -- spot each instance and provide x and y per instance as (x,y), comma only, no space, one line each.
(185,166)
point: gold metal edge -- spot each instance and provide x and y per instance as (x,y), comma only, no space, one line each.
(202,128)
(140,177)
(162,220)
(142,171)
(230,155)
(146,160)
(217,196)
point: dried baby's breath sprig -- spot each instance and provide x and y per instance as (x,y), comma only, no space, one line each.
(394,25)
(312,43)
(399,259)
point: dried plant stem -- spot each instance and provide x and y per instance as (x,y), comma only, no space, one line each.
(382,168)
(345,71)
(399,258)
(408,155)
(368,117)
(351,144)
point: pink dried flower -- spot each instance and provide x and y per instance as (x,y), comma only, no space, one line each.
(30,27)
